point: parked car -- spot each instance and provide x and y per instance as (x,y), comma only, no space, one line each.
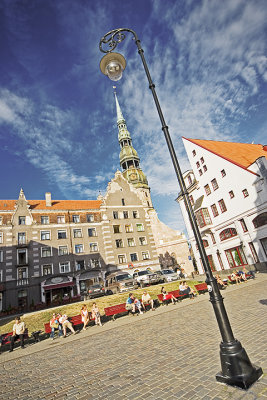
(169,275)
(146,277)
(96,290)
(119,282)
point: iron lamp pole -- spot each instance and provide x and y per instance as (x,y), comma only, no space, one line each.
(236,368)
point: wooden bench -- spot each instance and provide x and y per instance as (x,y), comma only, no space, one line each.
(201,287)
(175,293)
(76,320)
(115,310)
(5,338)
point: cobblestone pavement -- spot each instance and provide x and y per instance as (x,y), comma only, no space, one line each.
(172,353)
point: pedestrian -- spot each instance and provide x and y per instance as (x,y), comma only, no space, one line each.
(18,333)
(66,324)
(54,324)
(96,314)
(85,316)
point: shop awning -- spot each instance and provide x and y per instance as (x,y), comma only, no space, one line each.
(58,285)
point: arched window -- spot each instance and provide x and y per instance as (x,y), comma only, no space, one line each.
(260,220)
(228,233)
(205,243)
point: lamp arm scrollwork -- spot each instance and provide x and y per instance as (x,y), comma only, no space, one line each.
(113,38)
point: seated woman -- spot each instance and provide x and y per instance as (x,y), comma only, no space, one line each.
(185,289)
(220,282)
(167,296)
(242,275)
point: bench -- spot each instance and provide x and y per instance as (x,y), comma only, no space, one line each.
(115,310)
(175,293)
(5,338)
(201,287)
(75,320)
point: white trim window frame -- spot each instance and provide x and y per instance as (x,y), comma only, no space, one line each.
(44,250)
(62,232)
(77,233)
(131,242)
(142,240)
(22,251)
(45,235)
(135,258)
(1,256)
(145,255)
(21,237)
(140,227)
(1,237)
(128,228)
(47,266)
(93,247)
(122,258)
(1,220)
(90,217)
(64,267)
(61,219)
(79,248)
(44,219)
(63,250)
(92,232)
(76,218)
(22,273)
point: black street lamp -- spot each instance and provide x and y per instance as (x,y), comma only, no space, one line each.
(237,369)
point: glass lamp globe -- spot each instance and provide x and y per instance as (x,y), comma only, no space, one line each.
(113,65)
(114,70)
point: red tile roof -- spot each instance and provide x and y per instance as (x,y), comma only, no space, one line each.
(242,154)
(56,205)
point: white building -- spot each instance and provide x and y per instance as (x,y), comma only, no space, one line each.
(228,191)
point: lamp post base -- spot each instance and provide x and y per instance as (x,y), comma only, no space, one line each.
(237,369)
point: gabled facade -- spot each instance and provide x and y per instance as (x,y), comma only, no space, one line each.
(227,187)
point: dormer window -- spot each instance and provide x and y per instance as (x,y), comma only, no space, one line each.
(22,220)
(194,153)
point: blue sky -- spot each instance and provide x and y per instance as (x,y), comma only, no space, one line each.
(57,112)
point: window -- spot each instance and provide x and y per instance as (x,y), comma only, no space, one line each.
(61,219)
(212,238)
(214,184)
(64,267)
(22,220)
(115,215)
(23,296)
(253,252)
(131,242)
(95,263)
(45,235)
(22,256)
(189,180)
(93,247)
(145,255)
(62,234)
(78,248)
(203,217)
(123,202)
(119,243)
(197,164)
(223,172)
(194,153)
(222,205)
(116,228)
(220,260)
(91,232)
(125,214)
(76,219)
(207,189)
(231,194)
(202,160)
(90,217)
(245,192)
(1,220)
(236,257)
(46,251)
(44,220)
(140,227)
(62,250)
(21,237)
(47,269)
(80,265)
(260,220)
(135,214)
(191,199)
(228,233)
(133,257)
(128,228)
(121,258)
(1,237)
(200,171)
(264,245)
(243,224)
(22,273)
(1,256)
(205,168)
(142,241)
(214,210)
(77,233)
(205,243)
(211,263)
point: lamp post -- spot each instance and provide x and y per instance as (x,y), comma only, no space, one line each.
(237,369)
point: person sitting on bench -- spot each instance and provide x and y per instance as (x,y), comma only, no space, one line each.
(235,277)
(18,333)
(185,289)
(168,296)
(222,285)
(146,299)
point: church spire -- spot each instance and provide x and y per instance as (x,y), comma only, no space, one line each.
(129,159)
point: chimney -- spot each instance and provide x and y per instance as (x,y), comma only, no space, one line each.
(264,147)
(48,201)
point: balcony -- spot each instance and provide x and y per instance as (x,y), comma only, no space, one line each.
(22,282)
(23,243)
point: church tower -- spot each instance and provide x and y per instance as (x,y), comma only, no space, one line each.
(129,159)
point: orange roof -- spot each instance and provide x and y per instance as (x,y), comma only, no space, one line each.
(56,205)
(241,154)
